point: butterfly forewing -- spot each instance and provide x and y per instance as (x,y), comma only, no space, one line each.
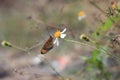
(47,46)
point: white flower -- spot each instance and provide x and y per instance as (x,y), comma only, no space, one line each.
(59,34)
(81,15)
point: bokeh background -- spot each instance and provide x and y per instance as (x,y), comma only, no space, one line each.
(25,23)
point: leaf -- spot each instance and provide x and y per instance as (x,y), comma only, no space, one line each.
(95,55)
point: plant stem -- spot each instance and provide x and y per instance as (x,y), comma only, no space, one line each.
(96,6)
(19,48)
(62,77)
(100,48)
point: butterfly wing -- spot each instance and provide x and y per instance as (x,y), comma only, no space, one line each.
(47,46)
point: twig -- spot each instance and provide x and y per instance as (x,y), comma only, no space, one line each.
(96,6)
(62,77)
(84,44)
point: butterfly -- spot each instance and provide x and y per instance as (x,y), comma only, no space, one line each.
(48,45)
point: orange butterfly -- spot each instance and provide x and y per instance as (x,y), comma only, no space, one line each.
(47,46)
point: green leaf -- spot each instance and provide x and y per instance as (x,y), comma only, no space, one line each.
(95,55)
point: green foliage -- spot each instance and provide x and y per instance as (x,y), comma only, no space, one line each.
(96,62)
(113,16)
(109,22)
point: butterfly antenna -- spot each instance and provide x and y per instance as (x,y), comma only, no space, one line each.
(48,31)
(61,26)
